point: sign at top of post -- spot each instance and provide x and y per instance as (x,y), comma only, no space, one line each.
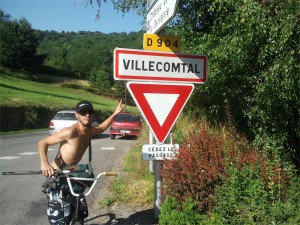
(134,64)
(160,13)
(162,43)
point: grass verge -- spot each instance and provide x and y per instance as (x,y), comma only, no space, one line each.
(135,185)
(21,89)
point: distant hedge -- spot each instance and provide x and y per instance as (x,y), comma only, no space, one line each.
(13,118)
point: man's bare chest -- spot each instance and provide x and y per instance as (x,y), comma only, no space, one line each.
(75,147)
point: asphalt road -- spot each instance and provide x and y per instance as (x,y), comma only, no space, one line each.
(21,198)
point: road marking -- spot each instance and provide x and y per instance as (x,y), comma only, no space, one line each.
(107,148)
(9,157)
(28,153)
(49,149)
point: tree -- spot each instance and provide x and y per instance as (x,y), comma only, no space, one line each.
(253,52)
(101,81)
(18,43)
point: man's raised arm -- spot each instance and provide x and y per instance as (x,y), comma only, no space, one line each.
(105,124)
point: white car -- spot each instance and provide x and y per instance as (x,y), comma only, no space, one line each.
(62,119)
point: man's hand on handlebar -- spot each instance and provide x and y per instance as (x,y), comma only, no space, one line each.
(47,170)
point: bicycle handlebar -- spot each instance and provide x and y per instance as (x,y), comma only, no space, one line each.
(111,174)
(56,172)
(69,178)
(22,173)
(94,180)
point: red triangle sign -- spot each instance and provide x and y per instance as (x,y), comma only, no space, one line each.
(160,104)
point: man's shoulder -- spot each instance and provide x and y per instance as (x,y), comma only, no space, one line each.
(70,131)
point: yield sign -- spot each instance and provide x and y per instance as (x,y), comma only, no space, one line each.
(160,104)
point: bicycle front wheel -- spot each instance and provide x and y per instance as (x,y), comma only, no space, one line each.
(76,221)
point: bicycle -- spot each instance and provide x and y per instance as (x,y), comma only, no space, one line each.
(78,206)
(76,217)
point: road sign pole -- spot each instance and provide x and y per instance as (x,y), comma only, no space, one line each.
(157,188)
(154,166)
(151,141)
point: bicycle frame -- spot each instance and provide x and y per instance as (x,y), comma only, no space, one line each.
(76,219)
(86,179)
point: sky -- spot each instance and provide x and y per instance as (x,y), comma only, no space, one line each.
(72,15)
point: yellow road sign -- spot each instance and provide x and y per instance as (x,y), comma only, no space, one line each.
(162,43)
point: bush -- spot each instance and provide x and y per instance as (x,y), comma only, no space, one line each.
(171,215)
(222,179)
(244,199)
(196,170)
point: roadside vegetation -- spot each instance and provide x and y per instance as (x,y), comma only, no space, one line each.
(135,185)
(218,177)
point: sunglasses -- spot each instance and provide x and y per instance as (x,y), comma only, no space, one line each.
(86,111)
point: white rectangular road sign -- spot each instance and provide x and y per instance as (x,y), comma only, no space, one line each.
(132,64)
(160,14)
(159,152)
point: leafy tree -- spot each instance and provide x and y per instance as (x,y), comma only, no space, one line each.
(84,52)
(87,55)
(101,82)
(18,43)
(120,92)
(253,49)
(101,77)
(4,16)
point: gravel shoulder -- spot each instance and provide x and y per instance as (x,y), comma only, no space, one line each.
(122,214)
(118,213)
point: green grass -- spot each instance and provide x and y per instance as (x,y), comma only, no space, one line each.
(135,185)
(19,89)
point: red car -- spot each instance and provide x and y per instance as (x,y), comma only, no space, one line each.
(125,124)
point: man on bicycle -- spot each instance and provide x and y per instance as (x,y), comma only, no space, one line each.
(73,142)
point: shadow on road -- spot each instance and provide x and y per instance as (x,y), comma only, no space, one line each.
(145,217)
(103,136)
(110,216)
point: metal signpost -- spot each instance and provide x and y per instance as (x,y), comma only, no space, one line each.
(160,82)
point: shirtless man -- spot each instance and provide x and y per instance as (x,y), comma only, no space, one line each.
(73,140)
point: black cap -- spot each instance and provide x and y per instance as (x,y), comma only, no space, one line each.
(84,105)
